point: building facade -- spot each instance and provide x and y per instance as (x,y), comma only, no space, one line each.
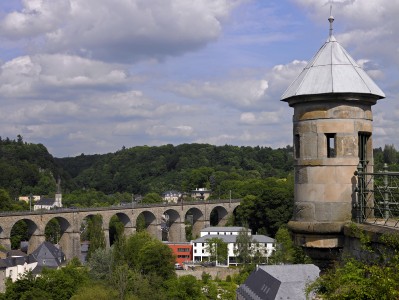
(182,251)
(261,245)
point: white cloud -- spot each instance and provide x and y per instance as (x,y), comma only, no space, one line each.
(30,76)
(123,30)
(239,92)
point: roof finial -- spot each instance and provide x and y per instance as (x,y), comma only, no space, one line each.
(331,20)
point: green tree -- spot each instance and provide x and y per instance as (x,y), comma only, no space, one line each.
(19,232)
(94,291)
(152,198)
(186,287)
(100,263)
(157,259)
(5,201)
(243,250)
(95,234)
(217,249)
(53,231)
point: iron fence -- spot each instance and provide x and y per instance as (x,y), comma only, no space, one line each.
(377,197)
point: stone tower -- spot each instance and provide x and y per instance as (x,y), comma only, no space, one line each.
(332,130)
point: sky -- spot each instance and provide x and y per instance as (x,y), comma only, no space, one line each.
(95,76)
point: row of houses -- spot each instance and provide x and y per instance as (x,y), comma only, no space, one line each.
(176,196)
(198,250)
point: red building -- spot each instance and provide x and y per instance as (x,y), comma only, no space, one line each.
(182,251)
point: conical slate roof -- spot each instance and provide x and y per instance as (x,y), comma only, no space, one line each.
(332,70)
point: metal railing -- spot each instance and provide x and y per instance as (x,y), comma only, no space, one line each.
(377,197)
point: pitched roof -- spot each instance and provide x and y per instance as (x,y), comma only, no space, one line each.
(222,229)
(278,282)
(233,238)
(49,255)
(332,71)
(45,201)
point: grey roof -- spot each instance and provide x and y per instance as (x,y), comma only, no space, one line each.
(222,229)
(278,282)
(45,201)
(332,70)
(48,255)
(232,238)
(18,260)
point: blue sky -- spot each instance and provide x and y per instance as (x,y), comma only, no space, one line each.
(96,75)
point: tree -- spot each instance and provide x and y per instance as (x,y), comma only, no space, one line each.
(95,234)
(100,263)
(217,249)
(286,251)
(243,250)
(94,292)
(157,259)
(271,209)
(53,231)
(186,287)
(152,198)
(5,201)
(19,232)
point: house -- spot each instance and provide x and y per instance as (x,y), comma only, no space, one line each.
(183,251)
(278,282)
(50,203)
(200,193)
(49,256)
(171,196)
(261,245)
(14,266)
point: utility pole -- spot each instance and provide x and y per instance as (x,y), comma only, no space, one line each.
(30,202)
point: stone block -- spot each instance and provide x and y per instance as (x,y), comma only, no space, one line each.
(304,211)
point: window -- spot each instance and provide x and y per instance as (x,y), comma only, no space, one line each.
(363,141)
(331,150)
(183,250)
(297,146)
(195,251)
(203,251)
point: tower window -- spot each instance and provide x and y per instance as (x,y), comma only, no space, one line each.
(297,146)
(331,149)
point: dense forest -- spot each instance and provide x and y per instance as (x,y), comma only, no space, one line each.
(30,168)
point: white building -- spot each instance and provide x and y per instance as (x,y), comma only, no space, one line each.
(50,203)
(171,196)
(200,193)
(14,266)
(261,244)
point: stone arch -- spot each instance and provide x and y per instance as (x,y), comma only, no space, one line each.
(172,226)
(34,235)
(218,216)
(150,222)
(195,218)
(127,225)
(66,236)
(83,227)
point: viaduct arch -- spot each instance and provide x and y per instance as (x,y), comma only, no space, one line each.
(70,220)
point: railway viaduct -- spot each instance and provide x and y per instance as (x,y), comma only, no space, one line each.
(71,221)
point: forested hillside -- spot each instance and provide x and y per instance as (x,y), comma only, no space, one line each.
(144,169)
(27,168)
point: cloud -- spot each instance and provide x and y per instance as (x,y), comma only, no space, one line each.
(32,76)
(119,31)
(367,24)
(240,93)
